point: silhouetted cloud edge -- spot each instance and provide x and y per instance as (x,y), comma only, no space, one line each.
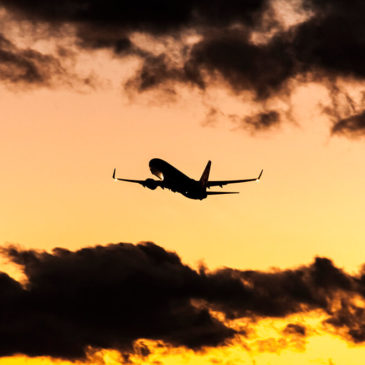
(107,297)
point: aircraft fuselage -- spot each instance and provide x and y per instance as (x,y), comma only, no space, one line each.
(176,181)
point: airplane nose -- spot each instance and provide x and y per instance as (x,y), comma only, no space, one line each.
(155,162)
(155,167)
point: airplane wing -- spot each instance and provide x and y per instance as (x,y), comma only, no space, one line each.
(225,182)
(129,180)
(148,183)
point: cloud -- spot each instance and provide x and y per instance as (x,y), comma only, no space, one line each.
(295,329)
(104,297)
(245,45)
(26,66)
(351,126)
(107,297)
(154,17)
(264,120)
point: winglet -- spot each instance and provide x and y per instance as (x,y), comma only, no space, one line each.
(259,175)
(114,174)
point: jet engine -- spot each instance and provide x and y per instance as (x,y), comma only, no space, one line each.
(150,184)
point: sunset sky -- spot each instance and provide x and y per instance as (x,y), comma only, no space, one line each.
(273,275)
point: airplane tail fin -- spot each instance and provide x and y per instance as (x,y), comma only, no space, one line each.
(205,176)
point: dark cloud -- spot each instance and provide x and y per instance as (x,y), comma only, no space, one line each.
(327,45)
(154,72)
(110,296)
(332,40)
(159,17)
(263,120)
(351,126)
(276,294)
(104,297)
(351,318)
(295,329)
(245,66)
(26,66)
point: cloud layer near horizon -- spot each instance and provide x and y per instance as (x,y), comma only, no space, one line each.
(246,44)
(107,297)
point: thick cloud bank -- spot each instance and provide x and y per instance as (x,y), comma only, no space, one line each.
(109,296)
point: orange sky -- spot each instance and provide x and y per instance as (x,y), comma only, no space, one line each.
(58,148)
(58,152)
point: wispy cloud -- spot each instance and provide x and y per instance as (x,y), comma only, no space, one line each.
(247,46)
(27,67)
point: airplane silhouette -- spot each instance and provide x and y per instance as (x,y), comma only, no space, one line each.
(173,179)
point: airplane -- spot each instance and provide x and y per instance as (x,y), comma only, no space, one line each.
(173,179)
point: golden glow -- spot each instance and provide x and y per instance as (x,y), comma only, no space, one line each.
(264,343)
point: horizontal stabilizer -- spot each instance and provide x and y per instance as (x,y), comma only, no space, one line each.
(221,192)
